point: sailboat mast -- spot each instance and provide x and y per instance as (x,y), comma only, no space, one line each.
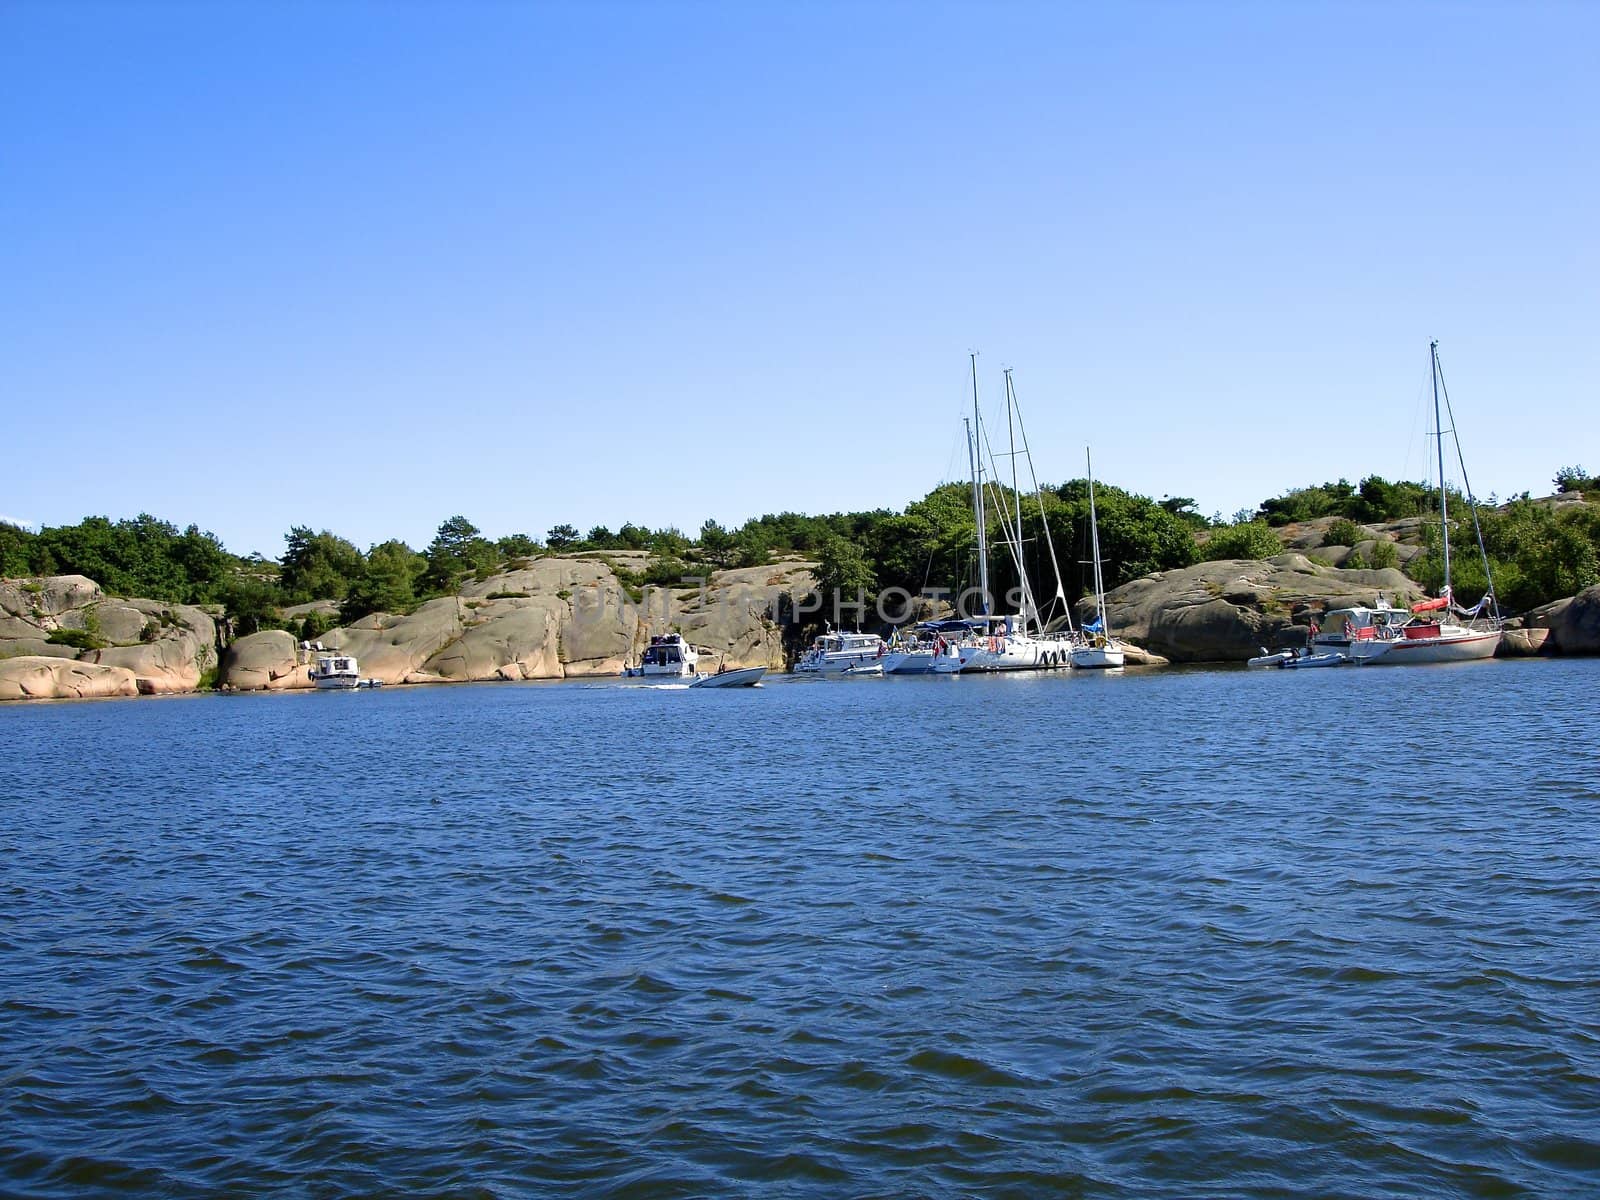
(977,491)
(1016,497)
(1444,503)
(1094,541)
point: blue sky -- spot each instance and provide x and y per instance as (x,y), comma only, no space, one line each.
(365,266)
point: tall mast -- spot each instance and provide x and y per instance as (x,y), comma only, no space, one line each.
(1016,497)
(1094,539)
(1438,427)
(976,450)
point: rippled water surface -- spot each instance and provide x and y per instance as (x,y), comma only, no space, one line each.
(1207,933)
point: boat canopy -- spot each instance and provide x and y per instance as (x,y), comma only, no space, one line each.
(1423,606)
(953,625)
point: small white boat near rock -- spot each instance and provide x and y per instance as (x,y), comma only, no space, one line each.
(738,677)
(336,671)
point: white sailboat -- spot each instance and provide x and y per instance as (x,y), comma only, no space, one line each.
(1429,636)
(1100,648)
(1003,643)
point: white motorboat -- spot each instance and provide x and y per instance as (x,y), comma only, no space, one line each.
(738,677)
(336,671)
(667,655)
(835,652)
(1100,650)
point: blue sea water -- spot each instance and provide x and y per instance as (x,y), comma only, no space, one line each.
(1166,934)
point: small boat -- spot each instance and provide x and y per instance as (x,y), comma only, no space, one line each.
(865,669)
(1268,659)
(1324,658)
(336,671)
(667,654)
(835,653)
(738,677)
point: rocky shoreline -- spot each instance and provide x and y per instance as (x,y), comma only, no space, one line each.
(571,617)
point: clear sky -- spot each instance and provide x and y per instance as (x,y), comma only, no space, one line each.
(364,266)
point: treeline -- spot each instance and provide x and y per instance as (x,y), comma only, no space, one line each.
(1537,551)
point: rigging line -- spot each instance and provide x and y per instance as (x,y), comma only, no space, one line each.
(1011,544)
(1061,586)
(1461,459)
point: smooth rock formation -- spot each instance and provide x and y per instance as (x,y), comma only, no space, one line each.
(265,661)
(1523,642)
(1226,611)
(34,677)
(395,648)
(166,647)
(553,618)
(1575,623)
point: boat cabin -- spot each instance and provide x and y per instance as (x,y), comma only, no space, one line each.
(665,650)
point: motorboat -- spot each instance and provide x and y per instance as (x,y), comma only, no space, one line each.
(835,652)
(723,678)
(666,655)
(335,671)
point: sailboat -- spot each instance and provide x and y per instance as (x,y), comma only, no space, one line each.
(1001,643)
(1428,635)
(1100,649)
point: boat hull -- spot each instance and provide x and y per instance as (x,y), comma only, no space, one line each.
(337,683)
(836,666)
(1470,647)
(1097,658)
(1307,662)
(909,662)
(741,677)
(1013,654)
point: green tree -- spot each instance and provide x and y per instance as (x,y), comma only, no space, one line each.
(17,550)
(716,544)
(1248,539)
(517,545)
(633,537)
(250,604)
(843,570)
(317,566)
(457,549)
(388,584)
(751,547)
(562,537)
(1574,479)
